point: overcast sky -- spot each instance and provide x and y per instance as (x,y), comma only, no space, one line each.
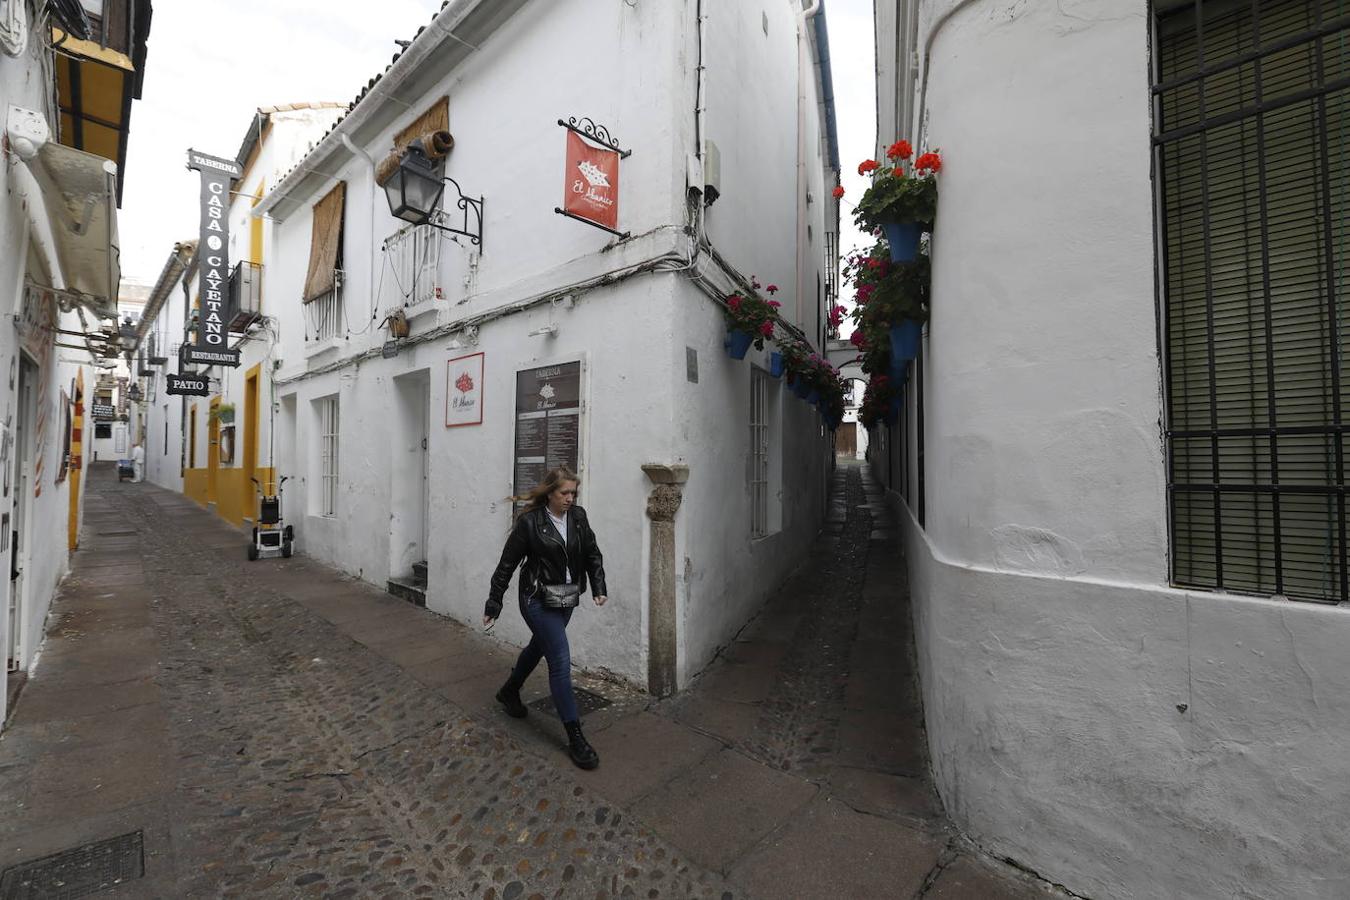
(203,94)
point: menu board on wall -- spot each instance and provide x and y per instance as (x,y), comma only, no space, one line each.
(548,422)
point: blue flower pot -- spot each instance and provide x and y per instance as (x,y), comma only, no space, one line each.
(738,343)
(801,388)
(776,365)
(813,397)
(903,238)
(905,341)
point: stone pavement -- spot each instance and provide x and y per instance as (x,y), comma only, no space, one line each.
(277,729)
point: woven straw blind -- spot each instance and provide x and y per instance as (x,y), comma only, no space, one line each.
(436,118)
(325,244)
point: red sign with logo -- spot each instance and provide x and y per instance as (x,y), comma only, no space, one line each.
(591,189)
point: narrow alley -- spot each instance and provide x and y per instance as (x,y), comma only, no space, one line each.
(277,729)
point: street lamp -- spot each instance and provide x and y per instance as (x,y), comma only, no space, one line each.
(415,180)
(134,392)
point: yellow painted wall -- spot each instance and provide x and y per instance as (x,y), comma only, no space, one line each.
(236,497)
(194,485)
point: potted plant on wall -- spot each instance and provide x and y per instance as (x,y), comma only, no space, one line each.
(903,204)
(881,402)
(892,301)
(750,319)
(795,353)
(223,413)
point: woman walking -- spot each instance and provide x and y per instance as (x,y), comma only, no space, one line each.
(553,538)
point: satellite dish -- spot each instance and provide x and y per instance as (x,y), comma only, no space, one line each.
(74,21)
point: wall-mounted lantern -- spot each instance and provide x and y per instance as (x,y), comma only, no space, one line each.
(414,181)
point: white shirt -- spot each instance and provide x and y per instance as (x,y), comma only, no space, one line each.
(560,523)
(137,454)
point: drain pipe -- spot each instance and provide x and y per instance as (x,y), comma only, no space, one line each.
(370,170)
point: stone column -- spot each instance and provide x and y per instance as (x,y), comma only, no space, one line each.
(662,504)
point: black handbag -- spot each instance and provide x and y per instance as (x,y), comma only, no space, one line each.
(560,596)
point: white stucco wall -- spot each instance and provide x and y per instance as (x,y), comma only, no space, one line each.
(25,81)
(1114,734)
(632,336)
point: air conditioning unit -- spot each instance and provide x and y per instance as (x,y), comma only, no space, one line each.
(245,296)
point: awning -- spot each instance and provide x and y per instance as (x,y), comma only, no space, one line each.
(80,199)
(95,87)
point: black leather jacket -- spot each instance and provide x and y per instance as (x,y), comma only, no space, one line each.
(537,543)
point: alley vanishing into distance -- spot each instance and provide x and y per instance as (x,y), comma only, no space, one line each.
(278,729)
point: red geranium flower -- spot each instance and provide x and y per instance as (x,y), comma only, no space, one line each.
(899,150)
(766,329)
(898,172)
(857,339)
(868,165)
(838,191)
(929,162)
(772,289)
(734,301)
(775,304)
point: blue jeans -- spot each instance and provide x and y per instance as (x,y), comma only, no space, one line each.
(549,641)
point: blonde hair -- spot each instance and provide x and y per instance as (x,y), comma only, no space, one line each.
(537,497)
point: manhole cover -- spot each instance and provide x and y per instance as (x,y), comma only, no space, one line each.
(77,872)
(587,702)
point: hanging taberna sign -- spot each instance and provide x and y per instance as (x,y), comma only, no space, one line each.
(213,255)
(591,178)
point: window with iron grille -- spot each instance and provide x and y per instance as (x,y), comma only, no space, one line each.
(1251,137)
(415,260)
(328,455)
(324,314)
(759,453)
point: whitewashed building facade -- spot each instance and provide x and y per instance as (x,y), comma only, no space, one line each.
(59,189)
(1121,463)
(191,445)
(624,334)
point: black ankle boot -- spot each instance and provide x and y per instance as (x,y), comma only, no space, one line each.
(582,753)
(509,696)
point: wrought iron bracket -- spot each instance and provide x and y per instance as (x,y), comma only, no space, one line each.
(466,205)
(622,234)
(587,128)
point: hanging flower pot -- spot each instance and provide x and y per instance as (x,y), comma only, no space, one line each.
(801,388)
(905,340)
(738,343)
(903,238)
(776,365)
(813,397)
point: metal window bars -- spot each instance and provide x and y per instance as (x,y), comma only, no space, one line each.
(1251,136)
(324,313)
(759,453)
(328,456)
(414,253)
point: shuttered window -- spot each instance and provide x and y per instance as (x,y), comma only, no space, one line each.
(325,244)
(1251,137)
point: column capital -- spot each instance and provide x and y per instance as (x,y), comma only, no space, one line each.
(664,502)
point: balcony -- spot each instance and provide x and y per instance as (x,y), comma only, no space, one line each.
(414,254)
(245,296)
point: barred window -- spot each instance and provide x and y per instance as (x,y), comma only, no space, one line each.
(759,452)
(1251,135)
(328,455)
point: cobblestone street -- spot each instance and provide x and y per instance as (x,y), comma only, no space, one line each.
(298,733)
